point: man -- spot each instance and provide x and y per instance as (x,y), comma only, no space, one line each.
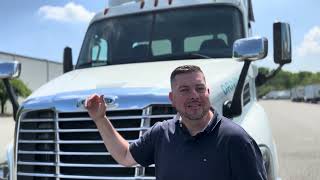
(198,144)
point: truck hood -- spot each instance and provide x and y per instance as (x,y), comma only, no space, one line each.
(140,75)
(131,85)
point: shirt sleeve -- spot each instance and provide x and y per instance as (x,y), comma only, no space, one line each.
(246,160)
(142,150)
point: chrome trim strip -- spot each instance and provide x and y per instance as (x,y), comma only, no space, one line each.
(76,130)
(86,153)
(65,142)
(37,120)
(85,177)
(36,141)
(159,116)
(66,153)
(80,142)
(36,131)
(86,142)
(70,164)
(57,146)
(110,118)
(36,163)
(96,130)
(36,174)
(107,177)
(145,123)
(91,165)
(128,99)
(119,117)
(35,152)
(144,116)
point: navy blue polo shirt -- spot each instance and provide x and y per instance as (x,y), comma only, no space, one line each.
(222,151)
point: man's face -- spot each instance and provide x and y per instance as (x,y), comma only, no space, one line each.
(190,95)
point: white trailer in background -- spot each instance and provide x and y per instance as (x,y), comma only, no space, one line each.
(281,94)
(297,94)
(284,94)
(312,93)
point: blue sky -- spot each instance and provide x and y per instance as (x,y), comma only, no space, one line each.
(42,28)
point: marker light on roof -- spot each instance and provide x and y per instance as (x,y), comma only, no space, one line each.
(106,11)
(142,4)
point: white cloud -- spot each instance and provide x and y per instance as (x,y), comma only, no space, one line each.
(71,12)
(310,44)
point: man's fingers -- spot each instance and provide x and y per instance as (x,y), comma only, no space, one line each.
(91,100)
(102,99)
(103,102)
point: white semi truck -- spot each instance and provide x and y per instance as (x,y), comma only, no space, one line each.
(127,55)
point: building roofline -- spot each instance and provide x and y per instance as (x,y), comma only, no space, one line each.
(29,57)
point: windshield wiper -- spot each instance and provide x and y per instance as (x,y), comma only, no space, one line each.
(199,55)
(189,56)
(92,64)
(84,65)
(180,56)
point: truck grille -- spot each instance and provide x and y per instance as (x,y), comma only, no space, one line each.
(68,145)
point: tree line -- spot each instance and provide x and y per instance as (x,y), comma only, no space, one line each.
(19,88)
(285,80)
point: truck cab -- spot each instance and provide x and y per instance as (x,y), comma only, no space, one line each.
(127,55)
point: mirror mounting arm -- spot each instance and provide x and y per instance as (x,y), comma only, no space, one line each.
(12,97)
(263,78)
(234,108)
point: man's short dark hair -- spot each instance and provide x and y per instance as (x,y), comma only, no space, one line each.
(184,70)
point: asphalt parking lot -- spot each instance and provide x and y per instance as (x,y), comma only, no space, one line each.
(296,130)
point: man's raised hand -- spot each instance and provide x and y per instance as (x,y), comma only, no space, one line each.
(96,106)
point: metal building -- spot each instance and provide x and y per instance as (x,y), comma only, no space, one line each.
(34,71)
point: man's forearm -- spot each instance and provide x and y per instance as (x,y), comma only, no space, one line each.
(117,146)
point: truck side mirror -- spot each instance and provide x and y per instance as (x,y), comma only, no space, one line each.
(9,70)
(247,50)
(282,43)
(251,49)
(67,60)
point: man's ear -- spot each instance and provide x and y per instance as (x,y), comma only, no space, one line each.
(171,97)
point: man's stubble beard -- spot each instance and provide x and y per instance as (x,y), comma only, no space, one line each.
(192,117)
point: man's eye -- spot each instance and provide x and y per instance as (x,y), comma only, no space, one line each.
(201,89)
(183,90)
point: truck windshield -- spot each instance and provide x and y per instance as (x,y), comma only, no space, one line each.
(186,33)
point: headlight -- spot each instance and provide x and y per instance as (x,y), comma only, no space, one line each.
(266,160)
(4,171)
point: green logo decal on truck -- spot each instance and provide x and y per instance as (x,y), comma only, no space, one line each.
(229,86)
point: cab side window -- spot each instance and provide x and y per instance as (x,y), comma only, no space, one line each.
(99,51)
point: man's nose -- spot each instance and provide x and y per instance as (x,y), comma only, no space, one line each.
(194,93)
